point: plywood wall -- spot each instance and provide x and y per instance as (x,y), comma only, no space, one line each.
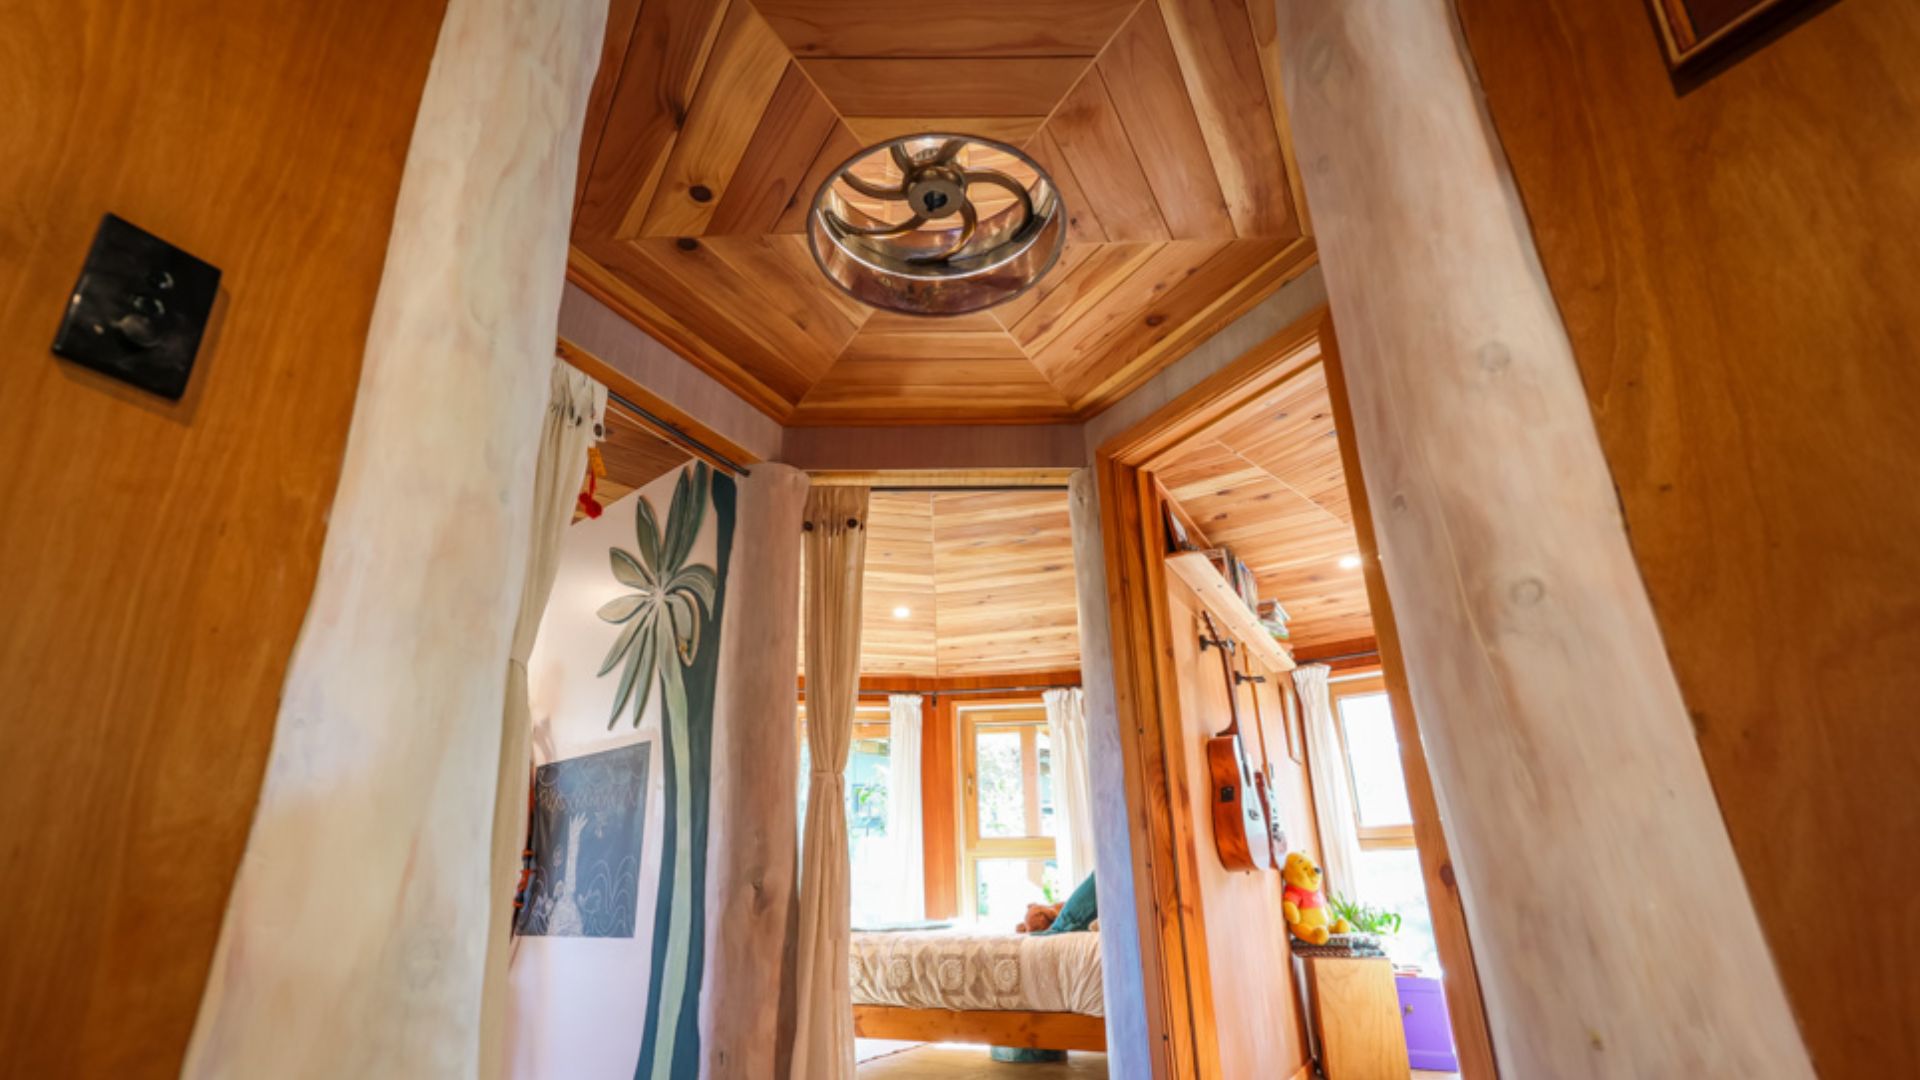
(156,559)
(1258,1018)
(1737,271)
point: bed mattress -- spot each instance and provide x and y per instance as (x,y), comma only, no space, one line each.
(975,969)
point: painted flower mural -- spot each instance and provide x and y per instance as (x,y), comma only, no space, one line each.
(668,626)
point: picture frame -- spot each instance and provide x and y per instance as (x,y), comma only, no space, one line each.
(1694,34)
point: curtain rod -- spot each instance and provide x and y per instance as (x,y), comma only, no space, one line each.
(674,433)
(1375,653)
(969,691)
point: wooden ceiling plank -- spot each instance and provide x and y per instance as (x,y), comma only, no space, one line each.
(1083,222)
(946,86)
(1227,291)
(1227,86)
(670,44)
(841,145)
(1132,308)
(780,272)
(861,389)
(865,28)
(608,268)
(743,279)
(1142,76)
(1008,314)
(736,88)
(1094,144)
(1013,130)
(797,124)
(622,17)
(1064,300)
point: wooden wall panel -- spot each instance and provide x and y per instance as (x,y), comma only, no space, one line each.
(1257,1015)
(156,558)
(1733,268)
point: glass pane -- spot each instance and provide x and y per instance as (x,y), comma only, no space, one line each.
(1390,879)
(1004,887)
(999,782)
(1373,757)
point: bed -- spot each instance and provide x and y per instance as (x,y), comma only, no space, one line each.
(1040,991)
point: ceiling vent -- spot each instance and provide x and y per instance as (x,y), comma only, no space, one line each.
(937,224)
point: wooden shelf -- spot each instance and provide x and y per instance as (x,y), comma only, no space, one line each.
(1194,568)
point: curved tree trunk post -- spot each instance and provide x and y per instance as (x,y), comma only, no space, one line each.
(1613,930)
(356,934)
(756,797)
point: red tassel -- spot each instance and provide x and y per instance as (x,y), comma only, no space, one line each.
(589,505)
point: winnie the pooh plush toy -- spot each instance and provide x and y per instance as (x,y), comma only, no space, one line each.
(1303,903)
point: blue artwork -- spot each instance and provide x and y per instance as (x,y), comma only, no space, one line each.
(589,823)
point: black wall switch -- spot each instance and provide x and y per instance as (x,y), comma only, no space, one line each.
(138,310)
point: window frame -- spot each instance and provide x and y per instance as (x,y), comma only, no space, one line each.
(1031,718)
(1371,836)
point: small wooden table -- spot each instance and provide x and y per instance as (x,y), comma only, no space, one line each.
(1356,1018)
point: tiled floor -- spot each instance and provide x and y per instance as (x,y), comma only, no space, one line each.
(956,1062)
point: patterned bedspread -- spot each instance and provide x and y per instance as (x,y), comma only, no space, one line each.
(975,969)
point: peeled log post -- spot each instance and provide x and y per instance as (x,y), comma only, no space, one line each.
(355,936)
(752,853)
(1613,931)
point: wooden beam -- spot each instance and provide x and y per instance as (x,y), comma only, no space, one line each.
(1036,1030)
(1466,1008)
(1562,755)
(383,768)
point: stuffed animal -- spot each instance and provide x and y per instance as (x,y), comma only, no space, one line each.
(1305,907)
(1039,917)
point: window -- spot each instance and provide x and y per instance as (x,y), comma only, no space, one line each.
(1007,797)
(1389,871)
(871,873)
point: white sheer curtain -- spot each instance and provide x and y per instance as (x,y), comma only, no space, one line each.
(576,408)
(1072,788)
(835,541)
(909,900)
(1332,795)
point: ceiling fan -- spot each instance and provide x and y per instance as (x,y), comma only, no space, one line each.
(982,222)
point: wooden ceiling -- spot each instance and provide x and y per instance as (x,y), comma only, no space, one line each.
(1267,482)
(634,457)
(714,121)
(986,579)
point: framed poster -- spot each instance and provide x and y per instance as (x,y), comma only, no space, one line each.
(1696,31)
(589,823)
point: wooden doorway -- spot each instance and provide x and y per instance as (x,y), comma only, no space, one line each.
(1158,752)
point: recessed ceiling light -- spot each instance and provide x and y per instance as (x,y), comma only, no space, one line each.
(1349,562)
(902,611)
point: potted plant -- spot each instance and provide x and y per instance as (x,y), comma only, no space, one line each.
(1364,918)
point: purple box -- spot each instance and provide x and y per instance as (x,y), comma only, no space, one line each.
(1423,1012)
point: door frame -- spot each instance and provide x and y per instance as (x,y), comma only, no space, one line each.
(1172,916)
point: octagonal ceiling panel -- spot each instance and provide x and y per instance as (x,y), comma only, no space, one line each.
(714,121)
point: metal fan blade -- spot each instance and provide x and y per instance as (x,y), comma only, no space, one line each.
(969,221)
(1000,179)
(871,190)
(877,232)
(901,157)
(947,152)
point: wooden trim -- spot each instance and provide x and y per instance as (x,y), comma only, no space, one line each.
(1034,1030)
(623,384)
(960,480)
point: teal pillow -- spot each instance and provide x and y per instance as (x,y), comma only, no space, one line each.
(1078,912)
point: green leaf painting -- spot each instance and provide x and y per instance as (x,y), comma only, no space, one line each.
(667,626)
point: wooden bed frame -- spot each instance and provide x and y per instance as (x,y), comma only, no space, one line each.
(1034,1030)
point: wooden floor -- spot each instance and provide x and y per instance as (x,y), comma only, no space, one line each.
(954,1062)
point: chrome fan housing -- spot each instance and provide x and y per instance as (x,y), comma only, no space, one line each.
(936,224)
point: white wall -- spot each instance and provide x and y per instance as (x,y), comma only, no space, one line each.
(579,1004)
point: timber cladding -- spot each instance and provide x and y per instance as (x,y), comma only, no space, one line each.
(714,123)
(156,559)
(1735,270)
